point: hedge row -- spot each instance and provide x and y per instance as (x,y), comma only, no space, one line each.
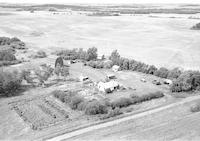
(93,107)
(125,102)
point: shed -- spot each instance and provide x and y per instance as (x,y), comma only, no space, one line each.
(168,81)
(111,76)
(115,68)
(83,78)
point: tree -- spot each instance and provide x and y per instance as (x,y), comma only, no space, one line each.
(174,73)
(162,72)
(115,57)
(10,83)
(6,55)
(103,57)
(125,65)
(92,54)
(59,62)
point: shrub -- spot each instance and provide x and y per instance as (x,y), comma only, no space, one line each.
(75,101)
(7,56)
(63,71)
(195,108)
(82,105)
(40,54)
(196,27)
(57,93)
(7,63)
(121,102)
(133,99)
(10,83)
(95,107)
(114,112)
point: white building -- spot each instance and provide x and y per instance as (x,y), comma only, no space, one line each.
(108,86)
(115,68)
(111,76)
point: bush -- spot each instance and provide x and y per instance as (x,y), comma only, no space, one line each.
(121,102)
(196,27)
(195,108)
(57,93)
(7,56)
(95,107)
(133,99)
(40,54)
(114,112)
(7,63)
(75,101)
(63,71)
(10,83)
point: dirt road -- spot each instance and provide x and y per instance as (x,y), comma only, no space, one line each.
(124,127)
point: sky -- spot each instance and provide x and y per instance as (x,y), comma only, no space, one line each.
(101,1)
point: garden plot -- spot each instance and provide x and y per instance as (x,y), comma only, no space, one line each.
(40,112)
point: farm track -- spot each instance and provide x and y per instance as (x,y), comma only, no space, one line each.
(121,120)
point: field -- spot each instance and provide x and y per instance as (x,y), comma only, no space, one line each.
(156,39)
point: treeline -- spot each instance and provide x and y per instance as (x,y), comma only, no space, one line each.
(102,106)
(182,80)
(90,54)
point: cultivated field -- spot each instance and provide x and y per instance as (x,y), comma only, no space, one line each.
(159,39)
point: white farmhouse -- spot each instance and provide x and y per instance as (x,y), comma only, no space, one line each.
(108,86)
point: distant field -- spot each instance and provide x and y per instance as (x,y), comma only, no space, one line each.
(163,41)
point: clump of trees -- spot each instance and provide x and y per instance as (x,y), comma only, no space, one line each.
(90,54)
(10,83)
(187,81)
(14,42)
(77,102)
(196,27)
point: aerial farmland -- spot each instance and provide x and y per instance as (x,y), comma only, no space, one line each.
(117,72)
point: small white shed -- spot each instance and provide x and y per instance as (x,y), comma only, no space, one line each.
(83,78)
